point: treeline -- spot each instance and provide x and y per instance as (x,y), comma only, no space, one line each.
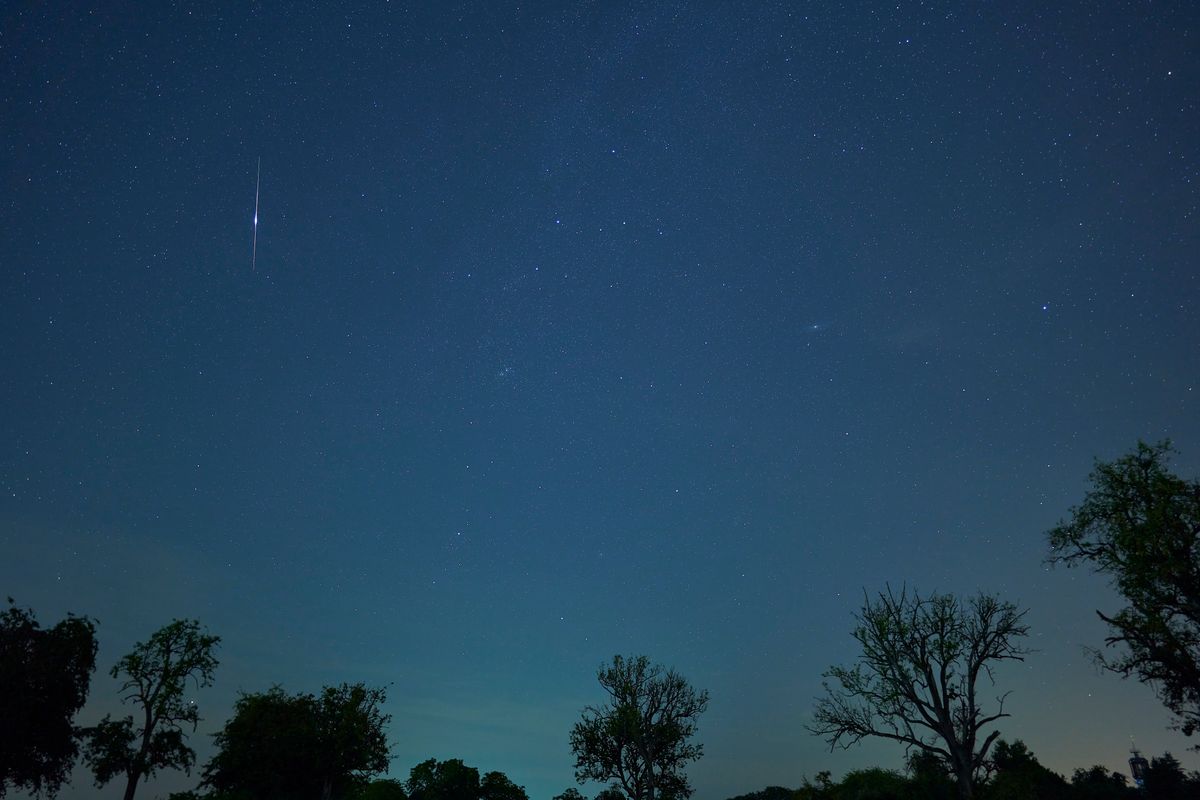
(1014,774)
(915,682)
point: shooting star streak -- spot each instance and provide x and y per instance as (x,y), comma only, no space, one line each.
(254,245)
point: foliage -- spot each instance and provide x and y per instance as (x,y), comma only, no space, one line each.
(382,789)
(1140,525)
(1166,780)
(872,784)
(769,793)
(497,786)
(454,780)
(301,746)
(157,673)
(640,740)
(443,780)
(570,793)
(928,777)
(916,681)
(1018,775)
(44,679)
(1097,783)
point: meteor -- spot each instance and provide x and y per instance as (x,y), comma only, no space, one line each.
(254,244)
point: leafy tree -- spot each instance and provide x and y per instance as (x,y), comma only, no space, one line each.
(821,787)
(1098,783)
(640,740)
(928,777)
(569,794)
(156,676)
(1166,780)
(301,746)
(872,784)
(382,789)
(916,681)
(443,780)
(497,786)
(1140,525)
(1018,775)
(769,793)
(44,679)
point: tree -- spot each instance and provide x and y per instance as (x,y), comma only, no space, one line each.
(1166,780)
(769,793)
(382,789)
(157,673)
(443,780)
(44,679)
(301,746)
(928,777)
(1140,525)
(873,783)
(640,740)
(1018,775)
(497,786)
(916,681)
(1098,783)
(570,793)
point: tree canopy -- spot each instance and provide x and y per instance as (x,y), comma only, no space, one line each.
(44,680)
(1139,524)
(301,746)
(917,680)
(454,780)
(641,739)
(157,674)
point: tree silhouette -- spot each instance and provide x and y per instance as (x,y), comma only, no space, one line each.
(641,739)
(44,679)
(443,780)
(917,679)
(1140,525)
(156,673)
(301,747)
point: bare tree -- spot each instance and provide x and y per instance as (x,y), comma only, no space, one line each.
(917,678)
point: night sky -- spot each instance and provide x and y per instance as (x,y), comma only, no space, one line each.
(582,329)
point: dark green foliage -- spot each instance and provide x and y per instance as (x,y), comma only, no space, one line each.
(1140,525)
(569,794)
(497,786)
(821,787)
(157,674)
(301,747)
(1097,783)
(1166,780)
(641,739)
(872,784)
(443,780)
(44,679)
(454,780)
(917,681)
(1019,776)
(382,789)
(769,793)
(928,777)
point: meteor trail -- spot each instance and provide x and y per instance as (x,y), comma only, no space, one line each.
(254,245)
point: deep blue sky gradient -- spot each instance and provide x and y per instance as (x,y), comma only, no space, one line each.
(584,329)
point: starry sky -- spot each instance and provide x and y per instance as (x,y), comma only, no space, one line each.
(577,329)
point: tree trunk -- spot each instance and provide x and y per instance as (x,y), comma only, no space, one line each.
(131,786)
(966,788)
